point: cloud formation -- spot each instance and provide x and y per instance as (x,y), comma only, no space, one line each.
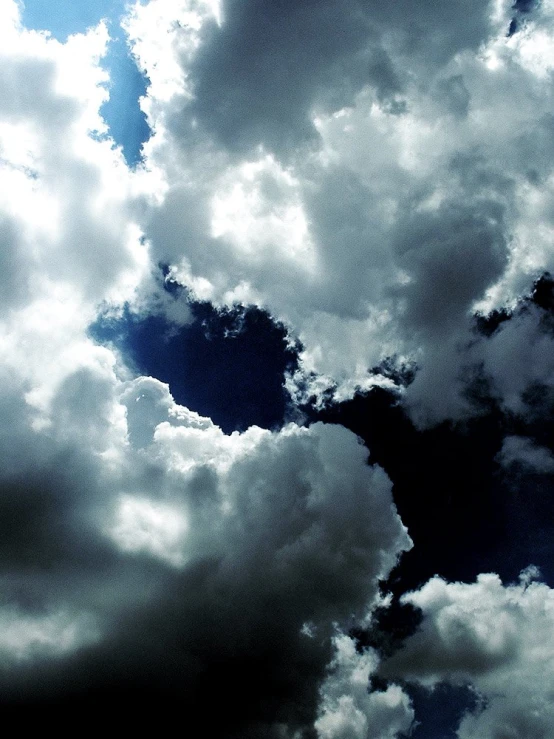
(496,638)
(225,548)
(374,199)
(348,710)
(366,189)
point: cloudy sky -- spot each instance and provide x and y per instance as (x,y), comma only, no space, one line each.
(277,367)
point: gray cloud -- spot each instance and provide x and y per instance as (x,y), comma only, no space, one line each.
(369,173)
(175,559)
(519,450)
(348,710)
(381,219)
(259,76)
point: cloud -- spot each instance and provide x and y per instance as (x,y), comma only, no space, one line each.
(348,710)
(367,177)
(518,450)
(27,638)
(143,548)
(259,74)
(57,232)
(371,208)
(141,545)
(519,356)
(492,636)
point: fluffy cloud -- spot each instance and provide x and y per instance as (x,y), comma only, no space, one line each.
(494,637)
(54,231)
(398,180)
(371,175)
(349,710)
(142,546)
(226,546)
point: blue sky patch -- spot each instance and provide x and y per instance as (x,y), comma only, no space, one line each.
(126,121)
(229,365)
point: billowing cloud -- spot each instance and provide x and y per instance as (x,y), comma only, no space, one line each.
(493,636)
(372,184)
(55,232)
(349,710)
(165,536)
(373,200)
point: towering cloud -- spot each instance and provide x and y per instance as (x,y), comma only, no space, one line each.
(165,557)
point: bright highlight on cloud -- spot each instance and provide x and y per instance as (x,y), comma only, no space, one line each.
(56,634)
(357,195)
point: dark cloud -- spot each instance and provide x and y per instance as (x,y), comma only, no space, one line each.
(297,530)
(259,76)
(341,210)
(453,93)
(452,255)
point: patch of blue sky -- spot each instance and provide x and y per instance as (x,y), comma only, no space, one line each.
(124,118)
(228,365)
(440,711)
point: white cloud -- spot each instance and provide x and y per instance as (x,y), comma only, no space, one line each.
(416,198)
(370,185)
(66,196)
(348,710)
(495,637)
(142,525)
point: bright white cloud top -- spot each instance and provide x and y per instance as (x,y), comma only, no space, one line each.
(371,174)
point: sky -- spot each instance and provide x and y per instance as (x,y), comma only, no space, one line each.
(277,367)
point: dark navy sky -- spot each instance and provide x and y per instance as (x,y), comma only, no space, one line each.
(227,365)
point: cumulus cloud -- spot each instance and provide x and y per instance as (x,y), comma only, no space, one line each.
(348,710)
(202,552)
(372,176)
(494,637)
(373,199)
